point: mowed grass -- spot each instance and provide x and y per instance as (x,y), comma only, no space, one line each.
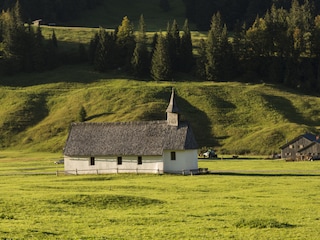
(253,205)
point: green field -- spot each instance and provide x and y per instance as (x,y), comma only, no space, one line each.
(241,199)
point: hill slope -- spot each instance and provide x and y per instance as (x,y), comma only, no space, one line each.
(232,117)
(111,13)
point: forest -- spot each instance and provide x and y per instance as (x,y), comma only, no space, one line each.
(282,46)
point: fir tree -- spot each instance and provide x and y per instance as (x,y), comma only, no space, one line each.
(213,49)
(82,114)
(39,51)
(104,57)
(173,43)
(160,64)
(140,59)
(186,59)
(125,42)
(201,60)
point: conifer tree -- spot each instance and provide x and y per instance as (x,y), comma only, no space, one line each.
(214,50)
(82,114)
(125,42)
(239,41)
(39,51)
(186,59)
(15,39)
(140,59)
(52,51)
(201,60)
(160,64)
(105,51)
(100,57)
(173,42)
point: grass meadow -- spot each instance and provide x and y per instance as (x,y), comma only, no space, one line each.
(241,199)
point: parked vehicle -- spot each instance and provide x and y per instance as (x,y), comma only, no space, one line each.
(210,154)
(61,161)
(314,158)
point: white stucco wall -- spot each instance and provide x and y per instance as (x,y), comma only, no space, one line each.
(108,164)
(185,160)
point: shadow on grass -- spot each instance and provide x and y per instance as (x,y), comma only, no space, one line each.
(97,115)
(264,174)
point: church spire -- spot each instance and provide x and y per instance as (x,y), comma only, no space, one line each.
(172,111)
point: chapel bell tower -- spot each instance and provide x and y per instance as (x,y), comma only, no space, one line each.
(172,111)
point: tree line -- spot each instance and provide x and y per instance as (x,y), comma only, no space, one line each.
(282,46)
(233,11)
(24,48)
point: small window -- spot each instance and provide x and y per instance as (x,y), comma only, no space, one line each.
(139,160)
(92,161)
(119,160)
(291,146)
(173,155)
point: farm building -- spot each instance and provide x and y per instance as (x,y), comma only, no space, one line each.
(167,146)
(301,147)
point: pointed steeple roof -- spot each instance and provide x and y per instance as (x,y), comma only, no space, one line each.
(172,107)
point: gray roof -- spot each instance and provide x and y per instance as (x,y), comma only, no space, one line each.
(311,137)
(128,138)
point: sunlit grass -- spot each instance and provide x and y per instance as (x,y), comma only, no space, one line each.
(234,118)
(214,206)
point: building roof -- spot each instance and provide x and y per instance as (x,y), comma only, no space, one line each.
(311,137)
(128,138)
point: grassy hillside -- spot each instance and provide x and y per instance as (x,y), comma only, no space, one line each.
(232,117)
(110,14)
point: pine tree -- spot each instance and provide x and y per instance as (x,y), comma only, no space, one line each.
(214,50)
(186,59)
(82,114)
(93,48)
(239,41)
(39,51)
(15,39)
(173,42)
(201,60)
(160,64)
(100,57)
(256,39)
(52,51)
(105,52)
(125,42)
(140,59)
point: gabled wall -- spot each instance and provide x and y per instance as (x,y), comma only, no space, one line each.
(185,160)
(291,149)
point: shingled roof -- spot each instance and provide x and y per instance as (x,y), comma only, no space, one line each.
(128,138)
(311,137)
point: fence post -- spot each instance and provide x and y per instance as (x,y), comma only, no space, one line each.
(76,171)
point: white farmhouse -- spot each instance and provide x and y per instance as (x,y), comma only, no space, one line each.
(132,147)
